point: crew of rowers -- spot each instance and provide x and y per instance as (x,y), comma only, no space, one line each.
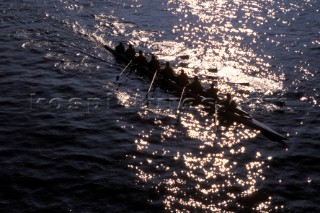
(167,72)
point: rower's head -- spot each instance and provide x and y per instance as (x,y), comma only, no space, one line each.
(196,78)
(130,46)
(167,64)
(228,96)
(182,71)
(153,57)
(233,104)
(140,52)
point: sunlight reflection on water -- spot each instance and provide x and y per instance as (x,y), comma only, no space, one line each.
(211,176)
(195,164)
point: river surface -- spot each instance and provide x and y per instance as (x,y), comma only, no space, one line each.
(73,139)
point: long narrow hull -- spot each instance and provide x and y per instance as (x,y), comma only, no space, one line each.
(255,124)
(238,116)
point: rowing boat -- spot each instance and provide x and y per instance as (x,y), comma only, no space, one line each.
(237,115)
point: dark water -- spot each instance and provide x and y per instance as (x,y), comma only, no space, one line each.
(75,140)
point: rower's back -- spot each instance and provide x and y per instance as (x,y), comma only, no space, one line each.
(141,60)
(154,64)
(196,86)
(182,79)
(168,72)
(212,92)
(120,48)
(130,52)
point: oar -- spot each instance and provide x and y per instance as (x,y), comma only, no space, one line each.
(184,57)
(180,101)
(243,84)
(117,78)
(93,56)
(213,70)
(151,84)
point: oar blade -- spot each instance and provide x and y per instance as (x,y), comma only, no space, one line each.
(244,84)
(213,70)
(213,77)
(185,57)
(240,83)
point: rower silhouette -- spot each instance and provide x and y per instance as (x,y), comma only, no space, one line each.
(154,64)
(212,92)
(168,72)
(196,86)
(130,52)
(141,62)
(182,79)
(120,48)
(211,99)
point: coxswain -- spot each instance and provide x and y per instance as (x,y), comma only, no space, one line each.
(168,72)
(229,104)
(196,86)
(212,92)
(120,48)
(154,64)
(130,52)
(232,106)
(182,79)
